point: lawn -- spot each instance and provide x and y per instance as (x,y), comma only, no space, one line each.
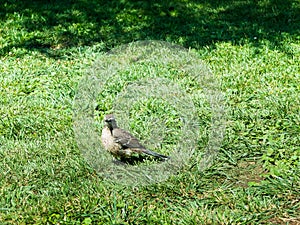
(252,48)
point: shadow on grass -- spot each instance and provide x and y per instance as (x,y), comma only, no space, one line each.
(55,25)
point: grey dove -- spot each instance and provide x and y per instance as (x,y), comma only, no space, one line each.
(120,143)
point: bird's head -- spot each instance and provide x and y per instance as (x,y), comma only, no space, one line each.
(109,117)
(110,120)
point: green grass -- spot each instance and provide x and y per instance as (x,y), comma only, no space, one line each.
(253,47)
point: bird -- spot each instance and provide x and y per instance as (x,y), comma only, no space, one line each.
(122,144)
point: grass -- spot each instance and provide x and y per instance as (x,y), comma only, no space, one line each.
(251,46)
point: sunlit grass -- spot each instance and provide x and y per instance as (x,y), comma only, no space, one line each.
(44,54)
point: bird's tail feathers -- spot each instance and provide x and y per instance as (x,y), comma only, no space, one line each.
(155,154)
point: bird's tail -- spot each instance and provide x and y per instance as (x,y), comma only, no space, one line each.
(155,154)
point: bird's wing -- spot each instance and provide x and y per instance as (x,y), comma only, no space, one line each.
(126,139)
